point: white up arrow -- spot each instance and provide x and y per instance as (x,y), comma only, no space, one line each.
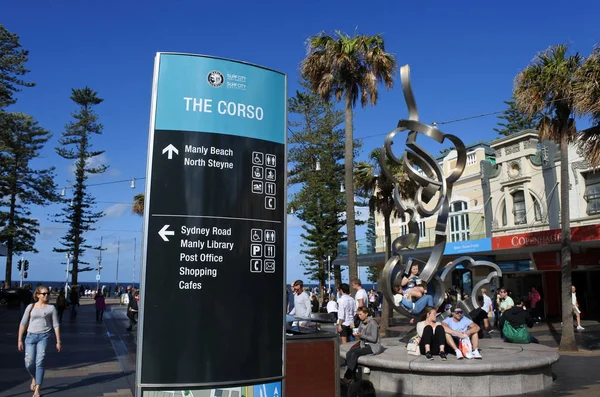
(163,233)
(275,393)
(170,150)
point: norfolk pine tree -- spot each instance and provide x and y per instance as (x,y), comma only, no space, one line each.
(515,120)
(12,67)
(21,185)
(319,202)
(76,145)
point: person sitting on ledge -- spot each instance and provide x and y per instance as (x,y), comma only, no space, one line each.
(368,333)
(517,318)
(413,307)
(432,335)
(458,327)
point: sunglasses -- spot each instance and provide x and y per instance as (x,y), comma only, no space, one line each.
(458,312)
(43,293)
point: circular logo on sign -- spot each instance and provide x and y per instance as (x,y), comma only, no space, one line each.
(215,78)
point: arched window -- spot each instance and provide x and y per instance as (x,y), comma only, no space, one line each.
(519,209)
(459,222)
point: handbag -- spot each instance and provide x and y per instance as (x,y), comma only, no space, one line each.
(465,346)
(412,347)
(518,335)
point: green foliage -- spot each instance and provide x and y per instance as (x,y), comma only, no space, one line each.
(78,212)
(515,120)
(21,185)
(348,68)
(12,67)
(318,202)
(374,185)
(372,274)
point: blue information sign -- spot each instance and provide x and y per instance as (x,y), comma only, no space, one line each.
(212,303)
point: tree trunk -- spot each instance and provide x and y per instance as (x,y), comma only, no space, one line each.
(349,184)
(386,310)
(10,243)
(324,271)
(567,339)
(337,276)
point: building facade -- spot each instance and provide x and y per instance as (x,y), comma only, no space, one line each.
(506,208)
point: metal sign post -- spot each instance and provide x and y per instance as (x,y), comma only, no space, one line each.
(212,307)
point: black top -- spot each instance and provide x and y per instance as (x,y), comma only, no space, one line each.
(516,316)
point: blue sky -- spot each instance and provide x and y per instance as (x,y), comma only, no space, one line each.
(464,57)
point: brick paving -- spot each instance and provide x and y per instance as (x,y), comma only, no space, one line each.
(87,366)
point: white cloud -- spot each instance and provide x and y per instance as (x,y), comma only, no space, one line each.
(97,161)
(116,210)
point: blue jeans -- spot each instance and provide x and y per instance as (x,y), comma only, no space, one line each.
(420,305)
(35,351)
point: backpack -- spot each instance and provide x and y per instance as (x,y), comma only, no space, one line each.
(512,335)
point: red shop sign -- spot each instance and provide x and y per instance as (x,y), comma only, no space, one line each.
(546,237)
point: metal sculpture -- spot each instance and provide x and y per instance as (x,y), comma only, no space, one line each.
(423,170)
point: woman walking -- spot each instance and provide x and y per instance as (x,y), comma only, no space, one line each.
(38,320)
(100,306)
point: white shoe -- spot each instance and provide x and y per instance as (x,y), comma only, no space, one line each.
(579,327)
(469,356)
(476,355)
(459,355)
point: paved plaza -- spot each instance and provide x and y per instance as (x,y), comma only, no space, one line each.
(99,359)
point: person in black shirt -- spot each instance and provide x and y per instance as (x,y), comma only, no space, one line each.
(132,310)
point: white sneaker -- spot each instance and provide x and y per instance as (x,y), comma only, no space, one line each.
(476,355)
(459,355)
(469,355)
(579,327)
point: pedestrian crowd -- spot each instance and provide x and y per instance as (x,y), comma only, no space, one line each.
(451,331)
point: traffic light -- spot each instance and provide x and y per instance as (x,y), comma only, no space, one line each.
(25,275)
(19,263)
(26,265)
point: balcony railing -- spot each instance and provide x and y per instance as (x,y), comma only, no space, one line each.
(474,231)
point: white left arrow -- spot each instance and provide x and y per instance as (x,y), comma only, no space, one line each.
(164,232)
(170,150)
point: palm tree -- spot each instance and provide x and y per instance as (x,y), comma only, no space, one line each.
(555,84)
(587,99)
(349,68)
(371,182)
(138,204)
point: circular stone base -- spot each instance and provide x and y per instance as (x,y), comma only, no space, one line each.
(505,370)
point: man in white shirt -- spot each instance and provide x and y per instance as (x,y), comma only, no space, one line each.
(302,307)
(346,311)
(361,296)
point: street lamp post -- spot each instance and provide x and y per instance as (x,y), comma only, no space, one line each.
(68,256)
(98,275)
